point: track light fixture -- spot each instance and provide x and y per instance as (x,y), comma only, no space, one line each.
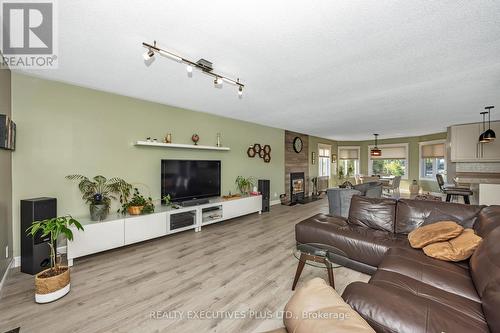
(148,55)
(203,65)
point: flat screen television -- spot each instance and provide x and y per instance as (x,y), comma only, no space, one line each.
(187,179)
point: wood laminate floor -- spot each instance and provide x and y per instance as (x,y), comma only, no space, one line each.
(234,267)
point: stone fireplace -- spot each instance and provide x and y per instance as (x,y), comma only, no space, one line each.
(297,187)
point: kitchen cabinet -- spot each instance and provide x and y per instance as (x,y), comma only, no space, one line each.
(491,150)
(465,145)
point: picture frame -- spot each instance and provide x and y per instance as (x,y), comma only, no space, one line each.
(313,158)
(7,133)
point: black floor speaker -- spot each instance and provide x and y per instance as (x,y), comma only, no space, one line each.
(35,251)
(265,190)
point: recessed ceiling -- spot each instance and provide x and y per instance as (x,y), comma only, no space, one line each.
(336,69)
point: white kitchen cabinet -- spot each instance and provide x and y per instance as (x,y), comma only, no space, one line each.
(491,150)
(465,145)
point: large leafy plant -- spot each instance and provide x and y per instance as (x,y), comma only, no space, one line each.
(54,227)
(100,190)
(244,184)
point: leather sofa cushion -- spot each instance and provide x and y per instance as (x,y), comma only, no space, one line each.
(373,213)
(455,249)
(491,304)
(412,214)
(444,275)
(390,309)
(488,219)
(359,243)
(405,283)
(435,232)
(315,298)
(485,262)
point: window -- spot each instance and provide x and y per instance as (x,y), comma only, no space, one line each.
(348,161)
(392,162)
(432,159)
(324,160)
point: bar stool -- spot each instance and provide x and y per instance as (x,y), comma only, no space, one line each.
(452,191)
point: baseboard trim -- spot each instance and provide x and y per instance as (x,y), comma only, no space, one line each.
(5,275)
(275,202)
(17,260)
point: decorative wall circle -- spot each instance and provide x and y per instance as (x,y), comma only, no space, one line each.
(263,152)
(267,149)
(267,158)
(257,148)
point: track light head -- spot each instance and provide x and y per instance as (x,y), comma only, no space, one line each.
(148,55)
(218,82)
(240,91)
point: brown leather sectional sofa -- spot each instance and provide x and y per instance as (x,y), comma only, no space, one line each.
(408,291)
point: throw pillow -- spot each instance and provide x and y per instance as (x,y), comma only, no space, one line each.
(456,249)
(316,307)
(435,232)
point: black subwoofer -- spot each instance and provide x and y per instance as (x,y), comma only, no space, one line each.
(35,251)
(265,190)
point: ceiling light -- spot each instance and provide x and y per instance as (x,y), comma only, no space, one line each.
(218,82)
(203,65)
(489,135)
(376,151)
(148,55)
(481,137)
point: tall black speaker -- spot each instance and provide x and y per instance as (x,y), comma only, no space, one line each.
(265,189)
(35,251)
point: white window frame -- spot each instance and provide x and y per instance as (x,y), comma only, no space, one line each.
(329,147)
(406,145)
(420,160)
(357,163)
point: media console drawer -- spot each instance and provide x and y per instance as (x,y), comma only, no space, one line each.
(97,237)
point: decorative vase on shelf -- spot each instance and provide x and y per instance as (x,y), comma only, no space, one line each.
(168,138)
(218,140)
(195,139)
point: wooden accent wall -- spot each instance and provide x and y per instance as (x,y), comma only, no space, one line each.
(296,162)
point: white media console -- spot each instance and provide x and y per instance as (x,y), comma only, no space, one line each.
(121,230)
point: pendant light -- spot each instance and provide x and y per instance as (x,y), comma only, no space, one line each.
(489,135)
(376,151)
(481,137)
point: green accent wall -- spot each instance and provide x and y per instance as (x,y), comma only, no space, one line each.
(64,129)
(413,156)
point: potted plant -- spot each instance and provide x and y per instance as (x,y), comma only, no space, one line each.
(54,282)
(244,184)
(99,191)
(138,204)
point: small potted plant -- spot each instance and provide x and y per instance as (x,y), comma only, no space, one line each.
(138,204)
(54,282)
(99,191)
(244,184)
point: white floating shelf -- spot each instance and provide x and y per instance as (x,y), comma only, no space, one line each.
(179,145)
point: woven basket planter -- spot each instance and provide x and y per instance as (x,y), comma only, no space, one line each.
(49,289)
(135,210)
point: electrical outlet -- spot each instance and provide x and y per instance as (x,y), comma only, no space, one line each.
(6,251)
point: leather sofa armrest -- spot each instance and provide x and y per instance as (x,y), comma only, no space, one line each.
(488,219)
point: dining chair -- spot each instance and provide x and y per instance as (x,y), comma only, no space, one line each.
(393,187)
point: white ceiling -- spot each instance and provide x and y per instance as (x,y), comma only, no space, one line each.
(335,69)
